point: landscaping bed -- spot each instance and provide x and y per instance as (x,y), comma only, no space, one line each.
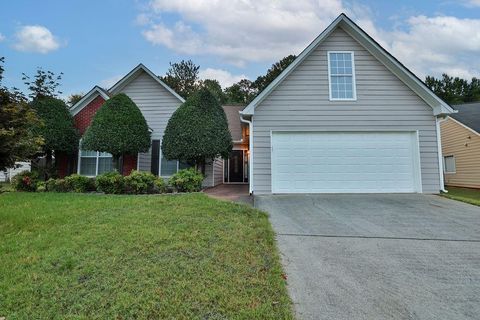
(93,256)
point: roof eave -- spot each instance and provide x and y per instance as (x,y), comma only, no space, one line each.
(87,98)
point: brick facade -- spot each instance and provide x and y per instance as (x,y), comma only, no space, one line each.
(85,116)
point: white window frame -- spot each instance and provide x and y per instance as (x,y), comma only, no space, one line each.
(354,82)
(445,164)
(97,156)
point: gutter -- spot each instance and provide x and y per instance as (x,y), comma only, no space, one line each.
(250,147)
(440,154)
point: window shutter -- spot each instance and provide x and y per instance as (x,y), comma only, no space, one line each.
(155,157)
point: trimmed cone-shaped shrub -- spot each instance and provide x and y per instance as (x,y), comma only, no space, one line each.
(198,130)
(118,128)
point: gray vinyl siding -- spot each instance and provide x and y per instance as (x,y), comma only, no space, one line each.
(157,106)
(218,171)
(384,103)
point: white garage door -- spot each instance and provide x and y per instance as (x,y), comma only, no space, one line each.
(343,162)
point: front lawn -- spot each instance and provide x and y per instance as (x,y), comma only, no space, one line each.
(90,256)
(471,196)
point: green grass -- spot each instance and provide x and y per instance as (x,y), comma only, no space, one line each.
(84,256)
(467,195)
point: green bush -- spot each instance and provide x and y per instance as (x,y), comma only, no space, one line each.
(187,180)
(41,186)
(160,186)
(25,181)
(57,185)
(79,183)
(110,182)
(140,182)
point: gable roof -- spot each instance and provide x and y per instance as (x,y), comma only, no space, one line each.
(88,97)
(117,87)
(468,115)
(411,80)
(233,119)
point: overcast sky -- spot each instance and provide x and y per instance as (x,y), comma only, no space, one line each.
(97,42)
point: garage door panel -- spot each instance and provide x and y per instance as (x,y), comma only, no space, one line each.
(344,162)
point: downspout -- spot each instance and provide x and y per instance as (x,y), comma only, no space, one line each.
(440,154)
(250,147)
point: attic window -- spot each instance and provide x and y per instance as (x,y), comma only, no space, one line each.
(341,75)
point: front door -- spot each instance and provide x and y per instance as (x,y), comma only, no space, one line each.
(235,166)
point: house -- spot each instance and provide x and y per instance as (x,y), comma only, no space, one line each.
(461,146)
(11,172)
(157,102)
(345,117)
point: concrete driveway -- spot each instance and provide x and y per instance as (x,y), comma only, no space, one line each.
(400,256)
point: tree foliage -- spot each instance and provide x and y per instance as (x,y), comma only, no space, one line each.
(118,128)
(215,88)
(74,98)
(59,130)
(182,77)
(245,90)
(18,139)
(454,90)
(43,84)
(197,130)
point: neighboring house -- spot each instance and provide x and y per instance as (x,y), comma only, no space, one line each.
(345,117)
(461,146)
(157,102)
(11,172)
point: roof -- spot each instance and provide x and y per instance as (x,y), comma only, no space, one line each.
(88,97)
(233,118)
(411,80)
(469,115)
(117,87)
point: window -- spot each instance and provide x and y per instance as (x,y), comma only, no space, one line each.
(449,164)
(170,167)
(93,163)
(341,73)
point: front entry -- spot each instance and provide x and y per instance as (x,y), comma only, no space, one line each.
(235,167)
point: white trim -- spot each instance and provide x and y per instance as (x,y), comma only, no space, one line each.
(354,83)
(461,124)
(97,157)
(126,79)
(251,188)
(417,179)
(87,98)
(405,75)
(440,153)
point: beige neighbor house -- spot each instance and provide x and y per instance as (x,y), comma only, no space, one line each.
(461,146)
(345,117)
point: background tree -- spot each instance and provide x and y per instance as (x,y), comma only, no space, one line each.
(18,140)
(118,128)
(58,130)
(197,131)
(454,90)
(215,88)
(182,77)
(74,98)
(44,84)
(245,90)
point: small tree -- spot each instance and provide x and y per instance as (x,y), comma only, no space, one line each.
(197,131)
(58,131)
(44,84)
(118,128)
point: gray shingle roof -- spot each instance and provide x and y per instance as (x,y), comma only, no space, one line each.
(468,114)
(233,119)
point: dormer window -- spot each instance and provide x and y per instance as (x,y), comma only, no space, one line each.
(341,75)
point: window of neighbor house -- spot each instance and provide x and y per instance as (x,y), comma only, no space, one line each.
(341,74)
(449,164)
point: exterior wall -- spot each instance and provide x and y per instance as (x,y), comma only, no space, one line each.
(84,117)
(301,102)
(218,171)
(464,145)
(208,181)
(157,106)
